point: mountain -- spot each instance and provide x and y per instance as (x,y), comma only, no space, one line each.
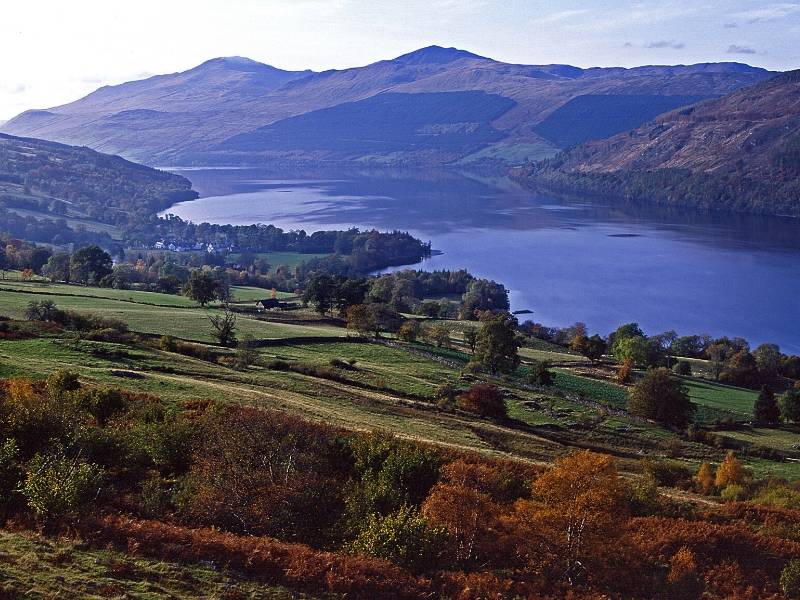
(234,111)
(47,189)
(739,152)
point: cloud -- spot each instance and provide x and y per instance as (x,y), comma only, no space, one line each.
(666,44)
(18,88)
(734,49)
(731,25)
(561,16)
(627,45)
(770,12)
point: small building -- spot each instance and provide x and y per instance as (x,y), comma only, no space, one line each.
(269,304)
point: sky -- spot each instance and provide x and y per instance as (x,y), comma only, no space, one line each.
(56,51)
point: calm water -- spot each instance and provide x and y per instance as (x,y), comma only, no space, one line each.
(568,261)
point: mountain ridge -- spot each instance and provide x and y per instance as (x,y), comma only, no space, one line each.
(741,152)
(193,112)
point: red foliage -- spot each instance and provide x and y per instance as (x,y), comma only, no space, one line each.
(484,400)
(293,565)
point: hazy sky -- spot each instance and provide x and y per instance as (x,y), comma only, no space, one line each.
(56,51)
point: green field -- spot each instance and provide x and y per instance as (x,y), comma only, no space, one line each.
(280,259)
(391,388)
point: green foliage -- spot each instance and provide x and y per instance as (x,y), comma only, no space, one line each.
(790,405)
(56,485)
(667,472)
(10,471)
(682,368)
(202,287)
(790,579)
(766,412)
(498,345)
(483,295)
(662,398)
(392,474)
(405,538)
(733,493)
(539,373)
(90,265)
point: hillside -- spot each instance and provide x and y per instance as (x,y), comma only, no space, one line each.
(739,152)
(195,116)
(66,185)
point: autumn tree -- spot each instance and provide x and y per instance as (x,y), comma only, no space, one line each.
(576,514)
(497,346)
(729,472)
(201,287)
(704,478)
(438,334)
(409,331)
(662,398)
(361,320)
(592,348)
(766,412)
(625,371)
(484,400)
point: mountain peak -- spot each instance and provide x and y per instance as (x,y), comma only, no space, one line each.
(235,63)
(436,55)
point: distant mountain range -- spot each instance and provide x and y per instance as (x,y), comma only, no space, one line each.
(432,106)
(740,152)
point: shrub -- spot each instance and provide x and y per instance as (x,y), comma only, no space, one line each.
(154,497)
(704,478)
(625,371)
(341,364)
(733,493)
(10,472)
(682,368)
(405,538)
(790,579)
(667,472)
(56,485)
(484,400)
(539,373)
(409,331)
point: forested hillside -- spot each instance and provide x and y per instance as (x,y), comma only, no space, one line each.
(740,152)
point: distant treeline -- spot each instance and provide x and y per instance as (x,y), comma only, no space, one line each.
(673,187)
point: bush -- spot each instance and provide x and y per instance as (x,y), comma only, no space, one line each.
(733,493)
(790,579)
(56,486)
(667,472)
(405,538)
(539,373)
(341,364)
(682,368)
(409,331)
(484,400)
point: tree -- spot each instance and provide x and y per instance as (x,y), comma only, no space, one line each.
(539,373)
(717,354)
(224,328)
(56,486)
(741,369)
(484,400)
(592,348)
(625,371)
(768,361)
(361,319)
(790,405)
(246,353)
(320,291)
(577,509)
(644,352)
(766,412)
(3,261)
(682,368)
(497,346)
(438,334)
(405,538)
(729,472)
(483,295)
(90,265)
(57,267)
(409,331)
(704,478)
(471,338)
(662,398)
(201,287)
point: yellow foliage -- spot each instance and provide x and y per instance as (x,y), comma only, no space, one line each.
(704,478)
(730,471)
